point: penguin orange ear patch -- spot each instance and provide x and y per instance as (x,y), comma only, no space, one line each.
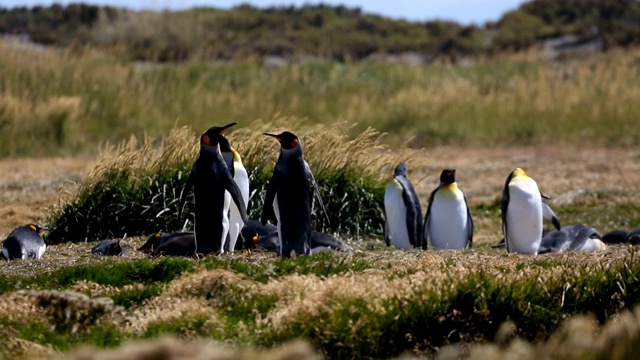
(158,236)
(206,139)
(256,239)
(33,227)
(294,143)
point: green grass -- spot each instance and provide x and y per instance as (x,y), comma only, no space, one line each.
(323,265)
(103,336)
(116,274)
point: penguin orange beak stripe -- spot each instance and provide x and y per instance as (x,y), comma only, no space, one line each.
(224,128)
(276,136)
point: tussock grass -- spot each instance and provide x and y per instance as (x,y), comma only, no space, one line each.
(135,187)
(418,302)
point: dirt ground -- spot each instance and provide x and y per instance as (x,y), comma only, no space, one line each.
(30,187)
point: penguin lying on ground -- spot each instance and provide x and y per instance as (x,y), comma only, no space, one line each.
(615,237)
(403,215)
(109,247)
(241,178)
(266,237)
(255,234)
(634,236)
(214,189)
(572,238)
(448,220)
(178,244)
(622,236)
(24,242)
(288,196)
(522,213)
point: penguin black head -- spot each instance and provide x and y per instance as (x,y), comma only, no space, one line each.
(36,228)
(286,139)
(448,176)
(401,169)
(213,135)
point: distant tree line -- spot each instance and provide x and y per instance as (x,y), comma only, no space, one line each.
(334,32)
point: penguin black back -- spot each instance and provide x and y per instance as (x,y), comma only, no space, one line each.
(412,205)
(210,178)
(109,247)
(24,242)
(289,188)
(180,244)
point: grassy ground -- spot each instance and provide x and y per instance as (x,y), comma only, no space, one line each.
(377,295)
(570,124)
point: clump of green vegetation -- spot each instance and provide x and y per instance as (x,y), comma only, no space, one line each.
(135,189)
(464,309)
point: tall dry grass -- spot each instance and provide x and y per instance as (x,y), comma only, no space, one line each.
(503,101)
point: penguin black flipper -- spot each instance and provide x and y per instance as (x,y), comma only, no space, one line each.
(504,205)
(188,186)
(582,235)
(270,196)
(313,182)
(387,239)
(414,213)
(427,218)
(548,214)
(236,195)
(469,222)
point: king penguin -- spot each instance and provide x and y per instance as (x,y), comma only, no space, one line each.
(24,242)
(211,180)
(288,196)
(403,215)
(522,213)
(448,221)
(239,173)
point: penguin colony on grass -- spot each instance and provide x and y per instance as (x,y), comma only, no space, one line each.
(221,188)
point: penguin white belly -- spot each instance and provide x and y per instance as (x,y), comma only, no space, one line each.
(241,179)
(448,228)
(276,211)
(592,245)
(396,213)
(225,220)
(41,251)
(524,217)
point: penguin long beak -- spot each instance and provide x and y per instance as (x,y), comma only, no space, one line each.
(224,128)
(275,136)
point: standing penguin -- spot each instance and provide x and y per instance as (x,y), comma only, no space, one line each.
(289,198)
(211,180)
(24,242)
(448,221)
(403,215)
(522,213)
(239,173)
